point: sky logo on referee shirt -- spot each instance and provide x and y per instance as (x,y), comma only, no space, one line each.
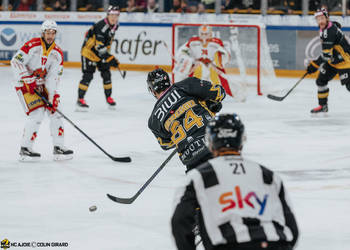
(251,200)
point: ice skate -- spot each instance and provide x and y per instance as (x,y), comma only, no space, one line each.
(321,110)
(62,153)
(82,105)
(111,103)
(27,155)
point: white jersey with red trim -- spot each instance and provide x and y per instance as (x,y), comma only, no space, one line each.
(45,63)
(204,60)
(213,51)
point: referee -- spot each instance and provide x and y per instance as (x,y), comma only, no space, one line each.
(239,204)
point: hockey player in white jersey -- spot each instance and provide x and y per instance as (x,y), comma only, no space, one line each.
(38,65)
(242,205)
(204,57)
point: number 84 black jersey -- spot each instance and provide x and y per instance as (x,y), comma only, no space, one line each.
(180,116)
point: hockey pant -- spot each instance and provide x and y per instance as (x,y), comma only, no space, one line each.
(88,69)
(327,73)
(213,74)
(32,125)
(31,102)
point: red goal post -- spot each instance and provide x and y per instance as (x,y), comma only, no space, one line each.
(247,49)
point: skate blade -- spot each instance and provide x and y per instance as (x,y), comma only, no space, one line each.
(62,157)
(81,109)
(112,107)
(26,158)
(320,115)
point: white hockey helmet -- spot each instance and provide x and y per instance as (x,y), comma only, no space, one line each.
(49,25)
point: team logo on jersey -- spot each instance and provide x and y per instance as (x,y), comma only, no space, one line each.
(5,244)
(251,200)
(8,37)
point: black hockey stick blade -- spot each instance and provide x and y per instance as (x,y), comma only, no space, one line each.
(281,98)
(122,73)
(121,159)
(122,200)
(276,98)
(133,198)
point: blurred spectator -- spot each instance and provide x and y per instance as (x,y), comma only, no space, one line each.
(176,6)
(332,5)
(231,5)
(184,6)
(314,5)
(152,6)
(141,5)
(201,8)
(209,4)
(251,4)
(287,6)
(131,6)
(89,5)
(192,7)
(120,3)
(56,5)
(24,5)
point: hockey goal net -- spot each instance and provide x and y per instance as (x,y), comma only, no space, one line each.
(250,62)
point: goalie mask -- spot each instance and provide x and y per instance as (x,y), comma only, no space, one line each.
(205,32)
(225,131)
(158,80)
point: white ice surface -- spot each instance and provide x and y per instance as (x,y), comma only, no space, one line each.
(48,201)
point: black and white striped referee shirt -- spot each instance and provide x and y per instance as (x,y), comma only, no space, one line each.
(240,202)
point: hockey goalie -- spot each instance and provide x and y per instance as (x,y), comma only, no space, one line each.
(205,57)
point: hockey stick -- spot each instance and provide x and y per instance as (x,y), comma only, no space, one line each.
(122,72)
(281,98)
(119,159)
(133,198)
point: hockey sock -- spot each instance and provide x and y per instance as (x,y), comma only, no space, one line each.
(108,89)
(82,90)
(323,96)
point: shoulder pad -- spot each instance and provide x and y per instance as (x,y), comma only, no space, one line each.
(192,39)
(337,24)
(30,44)
(217,40)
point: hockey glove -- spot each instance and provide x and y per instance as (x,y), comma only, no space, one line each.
(214,107)
(55,101)
(311,68)
(30,81)
(113,62)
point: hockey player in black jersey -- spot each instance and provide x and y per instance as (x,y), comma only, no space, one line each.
(243,205)
(181,114)
(95,53)
(335,58)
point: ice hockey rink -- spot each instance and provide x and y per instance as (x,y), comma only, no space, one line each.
(49,201)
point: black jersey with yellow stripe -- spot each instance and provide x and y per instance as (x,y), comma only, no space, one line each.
(180,116)
(98,40)
(335,47)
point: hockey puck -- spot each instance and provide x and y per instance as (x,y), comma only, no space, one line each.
(92,208)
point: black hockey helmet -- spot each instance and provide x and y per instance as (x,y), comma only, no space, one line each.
(113,9)
(225,131)
(158,80)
